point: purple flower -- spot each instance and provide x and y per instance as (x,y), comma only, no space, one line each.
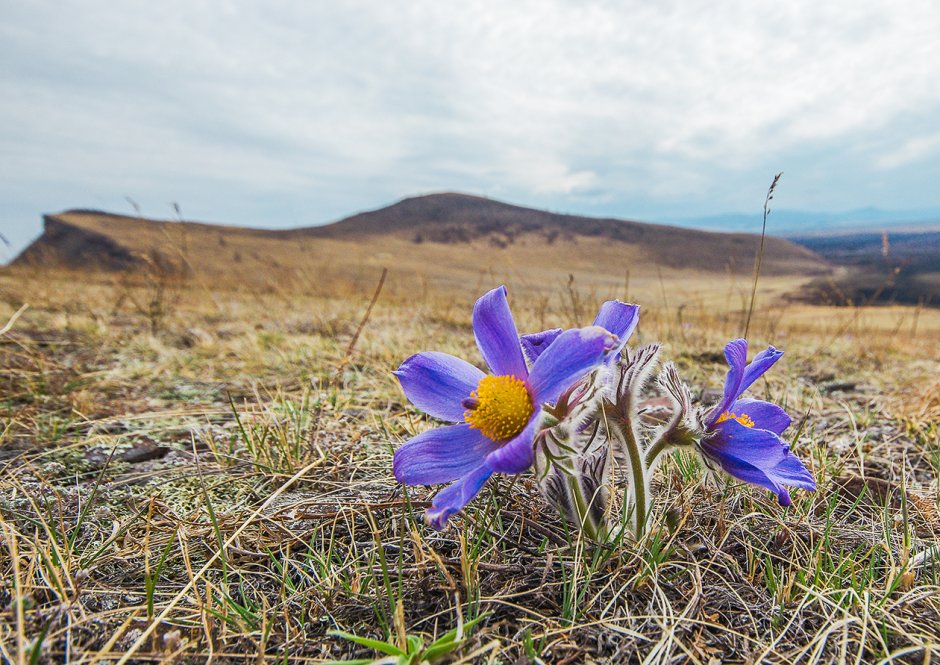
(617,317)
(497,415)
(743,435)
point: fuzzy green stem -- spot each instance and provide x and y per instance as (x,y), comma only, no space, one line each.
(657,449)
(583,509)
(638,467)
(637,470)
(678,437)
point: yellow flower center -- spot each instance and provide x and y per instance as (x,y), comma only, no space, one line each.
(500,407)
(744,419)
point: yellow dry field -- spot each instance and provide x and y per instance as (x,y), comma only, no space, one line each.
(195,468)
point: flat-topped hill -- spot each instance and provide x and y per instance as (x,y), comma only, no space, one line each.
(446,236)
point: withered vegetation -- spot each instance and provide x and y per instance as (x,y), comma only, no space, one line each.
(194,470)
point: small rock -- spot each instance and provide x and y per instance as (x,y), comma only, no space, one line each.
(144,450)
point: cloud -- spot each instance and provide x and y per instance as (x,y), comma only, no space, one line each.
(912,150)
(293,112)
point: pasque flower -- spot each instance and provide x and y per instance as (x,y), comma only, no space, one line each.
(742,436)
(619,318)
(572,455)
(496,415)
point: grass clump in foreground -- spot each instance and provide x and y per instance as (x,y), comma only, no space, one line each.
(221,487)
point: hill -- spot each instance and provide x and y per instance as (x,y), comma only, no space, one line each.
(449,237)
(896,267)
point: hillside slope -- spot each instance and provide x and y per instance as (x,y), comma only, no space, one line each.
(460,218)
(900,267)
(450,238)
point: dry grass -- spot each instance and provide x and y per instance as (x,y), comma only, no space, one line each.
(218,485)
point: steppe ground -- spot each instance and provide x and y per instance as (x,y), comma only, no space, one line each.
(193,473)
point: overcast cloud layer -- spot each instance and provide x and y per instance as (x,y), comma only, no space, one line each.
(296,113)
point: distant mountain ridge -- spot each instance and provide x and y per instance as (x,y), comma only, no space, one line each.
(460,229)
(791,223)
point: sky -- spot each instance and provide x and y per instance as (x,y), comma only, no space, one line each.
(295,113)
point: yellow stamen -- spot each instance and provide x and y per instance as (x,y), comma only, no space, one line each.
(744,419)
(502,407)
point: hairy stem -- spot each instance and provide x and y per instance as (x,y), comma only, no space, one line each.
(640,480)
(658,448)
(637,470)
(583,509)
(676,436)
